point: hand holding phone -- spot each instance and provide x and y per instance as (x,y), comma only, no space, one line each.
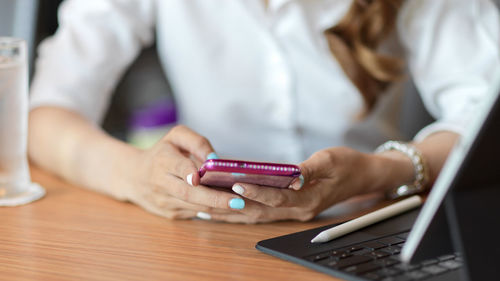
(225,173)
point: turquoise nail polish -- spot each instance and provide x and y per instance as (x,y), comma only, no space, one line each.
(237,203)
(301,178)
(212,155)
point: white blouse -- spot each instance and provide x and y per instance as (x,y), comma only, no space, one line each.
(260,82)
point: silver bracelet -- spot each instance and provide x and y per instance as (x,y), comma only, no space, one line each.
(421,173)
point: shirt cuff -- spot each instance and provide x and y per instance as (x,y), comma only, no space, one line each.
(94,112)
(439,126)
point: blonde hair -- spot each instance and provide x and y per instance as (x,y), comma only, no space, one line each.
(354,42)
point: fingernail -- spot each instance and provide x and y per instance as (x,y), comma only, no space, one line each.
(189,179)
(203,216)
(237,203)
(297,183)
(238,189)
(212,155)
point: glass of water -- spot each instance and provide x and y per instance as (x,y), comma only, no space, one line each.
(16,187)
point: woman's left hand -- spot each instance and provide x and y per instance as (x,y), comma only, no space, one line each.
(329,176)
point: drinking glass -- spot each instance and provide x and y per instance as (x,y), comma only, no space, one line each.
(16,187)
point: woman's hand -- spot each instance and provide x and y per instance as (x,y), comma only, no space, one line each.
(66,143)
(166,181)
(329,176)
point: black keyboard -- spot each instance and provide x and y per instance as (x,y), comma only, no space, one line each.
(379,260)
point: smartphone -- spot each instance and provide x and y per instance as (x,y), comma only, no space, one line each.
(225,173)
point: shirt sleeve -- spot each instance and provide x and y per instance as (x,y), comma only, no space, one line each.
(453,56)
(96,41)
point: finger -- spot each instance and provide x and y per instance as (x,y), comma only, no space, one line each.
(232,218)
(167,202)
(197,163)
(297,183)
(176,163)
(177,204)
(318,166)
(236,218)
(157,209)
(200,195)
(209,216)
(189,140)
(269,196)
(258,213)
(254,212)
(173,208)
(181,214)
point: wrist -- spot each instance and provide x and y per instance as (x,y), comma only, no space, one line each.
(390,170)
(125,170)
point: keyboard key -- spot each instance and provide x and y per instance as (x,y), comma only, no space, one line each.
(373,276)
(352,260)
(318,257)
(450,264)
(362,252)
(429,262)
(330,262)
(389,241)
(373,245)
(446,257)
(434,269)
(407,267)
(391,250)
(403,235)
(343,253)
(362,268)
(378,254)
(337,251)
(417,274)
(397,278)
(354,248)
(387,262)
(389,271)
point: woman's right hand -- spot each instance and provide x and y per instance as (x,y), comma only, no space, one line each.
(165,178)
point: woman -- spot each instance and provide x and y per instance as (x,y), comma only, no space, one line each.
(278,81)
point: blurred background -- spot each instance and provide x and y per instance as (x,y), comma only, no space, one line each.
(34,20)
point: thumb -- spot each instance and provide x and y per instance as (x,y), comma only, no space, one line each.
(190,141)
(318,166)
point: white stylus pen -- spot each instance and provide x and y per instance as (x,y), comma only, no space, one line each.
(368,219)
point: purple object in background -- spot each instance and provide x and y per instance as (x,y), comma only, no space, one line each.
(161,113)
(148,125)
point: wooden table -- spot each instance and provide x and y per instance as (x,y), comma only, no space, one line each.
(77,234)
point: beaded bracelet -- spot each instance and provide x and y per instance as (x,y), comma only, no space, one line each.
(421,173)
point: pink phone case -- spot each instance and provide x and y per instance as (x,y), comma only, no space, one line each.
(225,173)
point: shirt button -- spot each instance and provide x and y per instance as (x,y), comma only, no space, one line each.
(299,131)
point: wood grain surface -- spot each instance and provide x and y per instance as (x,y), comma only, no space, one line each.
(77,234)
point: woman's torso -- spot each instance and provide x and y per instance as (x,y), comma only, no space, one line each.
(261,83)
